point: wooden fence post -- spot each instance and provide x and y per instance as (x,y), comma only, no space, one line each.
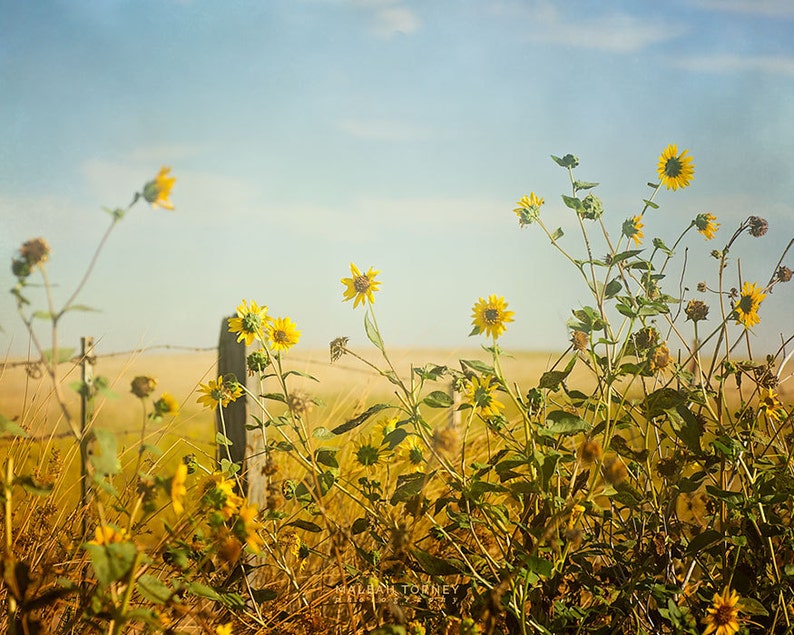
(454,413)
(246,450)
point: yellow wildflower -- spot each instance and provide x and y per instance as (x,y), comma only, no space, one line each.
(361,286)
(723,615)
(219,392)
(705,225)
(178,489)
(282,334)
(158,191)
(675,170)
(249,322)
(746,308)
(490,316)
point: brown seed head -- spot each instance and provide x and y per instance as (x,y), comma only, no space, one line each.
(783,274)
(579,340)
(696,310)
(35,251)
(143,386)
(757,226)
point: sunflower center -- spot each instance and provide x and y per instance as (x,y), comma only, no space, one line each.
(251,323)
(279,336)
(361,284)
(673,167)
(491,316)
(725,615)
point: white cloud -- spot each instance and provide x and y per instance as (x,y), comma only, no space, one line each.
(390,17)
(737,63)
(383,130)
(765,8)
(615,32)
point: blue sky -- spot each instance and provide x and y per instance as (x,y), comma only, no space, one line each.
(306,134)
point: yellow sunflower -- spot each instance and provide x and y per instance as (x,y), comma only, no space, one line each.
(108,534)
(411,452)
(723,615)
(632,229)
(178,489)
(158,191)
(224,629)
(249,322)
(361,286)
(219,392)
(282,334)
(528,208)
(219,494)
(675,170)
(248,527)
(480,394)
(705,225)
(166,405)
(770,404)
(490,316)
(746,308)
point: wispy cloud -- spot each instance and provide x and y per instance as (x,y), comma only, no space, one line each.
(391,17)
(729,63)
(616,32)
(384,130)
(764,8)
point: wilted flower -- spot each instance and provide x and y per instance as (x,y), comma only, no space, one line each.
(338,347)
(705,225)
(696,310)
(361,286)
(757,226)
(746,308)
(675,170)
(283,334)
(632,228)
(702,287)
(35,251)
(589,451)
(490,316)
(645,338)
(614,471)
(299,403)
(579,340)
(723,615)
(143,386)
(660,358)
(158,191)
(783,274)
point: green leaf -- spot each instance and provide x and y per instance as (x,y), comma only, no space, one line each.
(306,525)
(203,591)
(42,315)
(395,437)
(613,288)
(539,565)
(102,452)
(327,457)
(583,185)
(322,433)
(11,427)
(751,606)
(573,202)
(687,427)
(552,379)
(263,595)
(274,396)
(703,541)
(408,486)
(438,399)
(568,161)
(299,374)
(477,365)
(222,439)
(431,372)
(153,589)
(624,255)
(372,332)
(662,400)
(557,234)
(357,421)
(650,204)
(359,526)
(80,307)
(565,423)
(433,565)
(31,486)
(111,562)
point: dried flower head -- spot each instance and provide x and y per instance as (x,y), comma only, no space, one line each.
(143,386)
(702,287)
(660,358)
(783,274)
(35,251)
(338,347)
(299,403)
(614,471)
(757,226)
(645,338)
(579,340)
(589,451)
(696,310)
